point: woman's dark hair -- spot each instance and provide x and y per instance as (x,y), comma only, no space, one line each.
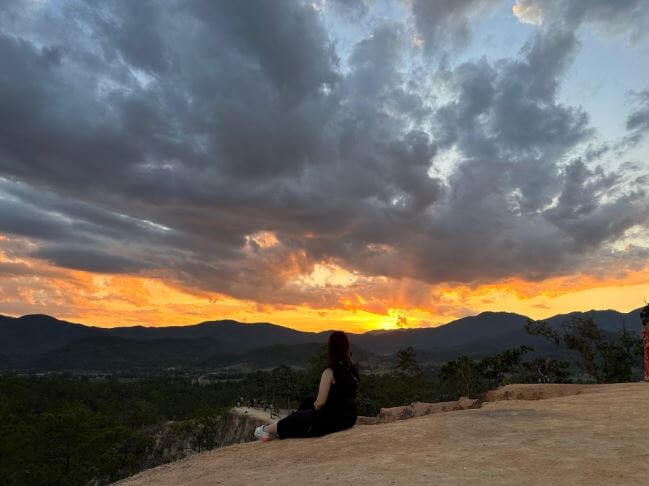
(644,315)
(338,350)
(338,358)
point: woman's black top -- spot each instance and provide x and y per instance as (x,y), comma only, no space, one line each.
(339,412)
(343,391)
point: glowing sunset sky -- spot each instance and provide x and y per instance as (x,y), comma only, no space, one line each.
(353,164)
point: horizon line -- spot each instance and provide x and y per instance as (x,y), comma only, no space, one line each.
(323,331)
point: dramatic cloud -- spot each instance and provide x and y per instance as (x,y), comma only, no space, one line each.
(638,121)
(444,24)
(629,18)
(235,148)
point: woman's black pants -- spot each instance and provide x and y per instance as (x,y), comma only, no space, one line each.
(300,423)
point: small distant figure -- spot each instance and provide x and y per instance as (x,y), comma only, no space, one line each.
(644,315)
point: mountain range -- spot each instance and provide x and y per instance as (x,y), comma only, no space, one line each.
(42,342)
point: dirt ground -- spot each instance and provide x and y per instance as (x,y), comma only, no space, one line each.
(598,436)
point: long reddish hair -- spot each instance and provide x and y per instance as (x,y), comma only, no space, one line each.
(338,350)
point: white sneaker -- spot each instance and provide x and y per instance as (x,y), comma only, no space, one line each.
(261,434)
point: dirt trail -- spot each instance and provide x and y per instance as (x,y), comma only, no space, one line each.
(259,414)
(599,436)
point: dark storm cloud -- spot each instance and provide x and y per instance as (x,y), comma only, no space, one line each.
(512,135)
(628,18)
(638,120)
(444,24)
(82,258)
(165,139)
(133,30)
(580,214)
(637,126)
(355,9)
(287,41)
(22,220)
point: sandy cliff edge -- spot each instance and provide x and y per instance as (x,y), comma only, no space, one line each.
(598,436)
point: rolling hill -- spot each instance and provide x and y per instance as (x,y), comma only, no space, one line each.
(43,342)
(34,334)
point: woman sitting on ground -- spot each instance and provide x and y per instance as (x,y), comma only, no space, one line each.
(335,407)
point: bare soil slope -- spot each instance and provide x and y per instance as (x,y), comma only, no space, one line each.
(598,436)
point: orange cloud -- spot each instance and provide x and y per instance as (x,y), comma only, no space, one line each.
(528,12)
(326,297)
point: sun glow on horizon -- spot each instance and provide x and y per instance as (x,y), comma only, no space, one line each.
(341,299)
(32,286)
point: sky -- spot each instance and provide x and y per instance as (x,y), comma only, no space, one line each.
(349,164)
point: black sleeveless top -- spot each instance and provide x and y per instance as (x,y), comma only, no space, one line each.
(342,393)
(339,412)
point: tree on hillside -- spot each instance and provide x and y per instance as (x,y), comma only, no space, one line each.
(284,386)
(545,370)
(460,377)
(607,358)
(496,369)
(407,362)
(467,377)
(64,443)
(203,431)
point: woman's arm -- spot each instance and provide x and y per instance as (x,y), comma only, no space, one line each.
(323,391)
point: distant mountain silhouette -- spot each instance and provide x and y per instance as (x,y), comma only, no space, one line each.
(34,334)
(236,336)
(608,320)
(483,328)
(43,342)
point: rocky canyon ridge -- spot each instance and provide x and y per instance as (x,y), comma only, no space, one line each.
(528,434)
